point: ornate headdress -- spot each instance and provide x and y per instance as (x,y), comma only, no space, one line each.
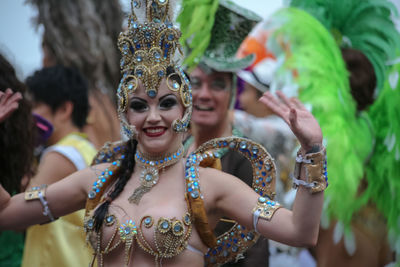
(150,52)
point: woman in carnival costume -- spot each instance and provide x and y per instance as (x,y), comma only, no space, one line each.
(360,137)
(145,204)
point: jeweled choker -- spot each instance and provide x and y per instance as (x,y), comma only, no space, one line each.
(151,168)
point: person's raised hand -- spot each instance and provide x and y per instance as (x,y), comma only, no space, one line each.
(300,120)
(8,103)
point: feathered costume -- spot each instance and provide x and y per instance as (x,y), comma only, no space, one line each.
(366,25)
(309,65)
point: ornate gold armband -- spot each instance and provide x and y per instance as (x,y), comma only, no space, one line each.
(315,169)
(265,209)
(39,192)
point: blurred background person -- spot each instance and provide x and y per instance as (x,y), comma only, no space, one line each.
(60,95)
(214,94)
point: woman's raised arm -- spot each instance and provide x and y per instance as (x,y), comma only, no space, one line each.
(300,226)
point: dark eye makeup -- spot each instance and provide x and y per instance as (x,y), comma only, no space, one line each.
(138,105)
(168,102)
(165,102)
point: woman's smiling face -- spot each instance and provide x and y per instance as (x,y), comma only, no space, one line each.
(153,118)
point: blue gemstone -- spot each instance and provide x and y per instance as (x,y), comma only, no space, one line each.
(195,194)
(250,236)
(110,219)
(110,172)
(177,228)
(170,37)
(148,177)
(92,194)
(263,173)
(243,145)
(165,225)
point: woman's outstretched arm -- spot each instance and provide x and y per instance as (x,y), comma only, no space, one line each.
(63,197)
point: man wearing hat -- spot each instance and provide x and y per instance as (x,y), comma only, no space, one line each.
(214,88)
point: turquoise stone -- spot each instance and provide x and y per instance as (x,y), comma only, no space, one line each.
(243,145)
(147,221)
(165,225)
(110,219)
(148,177)
(92,194)
(187,219)
(90,224)
(177,228)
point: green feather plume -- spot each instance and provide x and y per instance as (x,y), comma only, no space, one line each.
(383,172)
(196,21)
(310,52)
(364,25)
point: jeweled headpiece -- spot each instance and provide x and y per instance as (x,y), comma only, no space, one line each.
(151,52)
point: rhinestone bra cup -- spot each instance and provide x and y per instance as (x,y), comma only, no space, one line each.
(170,236)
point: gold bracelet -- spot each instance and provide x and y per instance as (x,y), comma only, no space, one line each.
(265,209)
(315,169)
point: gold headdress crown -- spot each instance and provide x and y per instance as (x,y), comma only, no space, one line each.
(150,52)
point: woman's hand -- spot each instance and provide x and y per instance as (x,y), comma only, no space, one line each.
(300,120)
(8,103)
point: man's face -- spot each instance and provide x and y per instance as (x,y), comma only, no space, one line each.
(211,97)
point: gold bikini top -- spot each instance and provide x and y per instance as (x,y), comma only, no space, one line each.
(222,249)
(170,236)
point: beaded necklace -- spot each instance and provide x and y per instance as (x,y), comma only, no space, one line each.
(151,169)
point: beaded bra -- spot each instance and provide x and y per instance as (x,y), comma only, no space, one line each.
(224,248)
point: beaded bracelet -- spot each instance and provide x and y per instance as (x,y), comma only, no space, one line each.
(315,169)
(39,192)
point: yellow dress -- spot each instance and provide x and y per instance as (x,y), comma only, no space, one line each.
(62,243)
